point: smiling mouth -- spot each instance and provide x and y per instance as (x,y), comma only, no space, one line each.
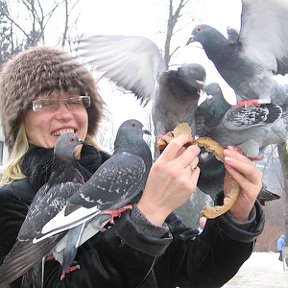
(62,131)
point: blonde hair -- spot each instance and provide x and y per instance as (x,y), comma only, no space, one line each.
(12,170)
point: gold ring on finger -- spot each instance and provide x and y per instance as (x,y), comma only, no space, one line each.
(193,166)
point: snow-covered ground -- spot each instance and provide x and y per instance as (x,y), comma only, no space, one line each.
(260,270)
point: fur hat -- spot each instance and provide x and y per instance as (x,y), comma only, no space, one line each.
(39,70)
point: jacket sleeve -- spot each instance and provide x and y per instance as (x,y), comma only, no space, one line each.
(122,256)
(213,257)
(13,210)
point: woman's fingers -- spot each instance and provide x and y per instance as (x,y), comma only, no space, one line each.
(242,165)
(175,150)
(174,147)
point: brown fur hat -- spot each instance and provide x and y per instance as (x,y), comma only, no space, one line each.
(39,70)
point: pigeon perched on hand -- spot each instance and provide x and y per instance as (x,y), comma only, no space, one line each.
(65,179)
(249,62)
(115,184)
(251,128)
(136,64)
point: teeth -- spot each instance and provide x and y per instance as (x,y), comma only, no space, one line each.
(62,131)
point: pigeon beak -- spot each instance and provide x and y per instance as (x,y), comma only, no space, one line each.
(189,40)
(146,131)
(81,141)
(200,84)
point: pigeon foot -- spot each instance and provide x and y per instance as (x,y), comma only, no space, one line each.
(49,257)
(117,212)
(252,102)
(69,270)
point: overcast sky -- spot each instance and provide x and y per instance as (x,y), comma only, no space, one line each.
(143,17)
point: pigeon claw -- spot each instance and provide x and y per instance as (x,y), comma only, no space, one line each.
(69,270)
(49,257)
(117,212)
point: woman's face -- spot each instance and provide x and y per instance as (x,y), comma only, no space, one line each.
(45,125)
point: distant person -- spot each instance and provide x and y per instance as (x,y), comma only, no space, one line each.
(280,246)
(202,222)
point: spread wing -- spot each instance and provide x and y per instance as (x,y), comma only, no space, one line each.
(132,62)
(264,26)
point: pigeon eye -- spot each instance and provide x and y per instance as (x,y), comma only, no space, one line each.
(72,139)
(133,125)
(199,29)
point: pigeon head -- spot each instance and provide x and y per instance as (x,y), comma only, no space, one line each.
(66,144)
(210,38)
(192,75)
(129,138)
(183,84)
(215,106)
(130,131)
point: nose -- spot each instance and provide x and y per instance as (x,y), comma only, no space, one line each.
(63,112)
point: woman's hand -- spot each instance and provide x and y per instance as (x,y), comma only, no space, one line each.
(249,178)
(171,181)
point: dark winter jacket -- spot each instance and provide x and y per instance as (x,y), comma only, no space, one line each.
(133,253)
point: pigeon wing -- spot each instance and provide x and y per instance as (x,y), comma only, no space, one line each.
(247,117)
(132,62)
(24,253)
(43,209)
(22,257)
(264,26)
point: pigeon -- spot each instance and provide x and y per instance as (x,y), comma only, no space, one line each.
(136,64)
(251,128)
(65,179)
(116,183)
(211,180)
(249,61)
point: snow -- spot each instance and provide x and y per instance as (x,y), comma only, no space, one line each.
(260,270)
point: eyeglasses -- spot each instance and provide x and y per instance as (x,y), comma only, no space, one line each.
(51,105)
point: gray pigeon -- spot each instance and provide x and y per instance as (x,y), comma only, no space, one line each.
(136,64)
(210,116)
(248,62)
(48,201)
(211,180)
(116,183)
(250,128)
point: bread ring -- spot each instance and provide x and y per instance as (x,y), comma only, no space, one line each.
(209,145)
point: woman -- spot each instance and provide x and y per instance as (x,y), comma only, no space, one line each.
(148,246)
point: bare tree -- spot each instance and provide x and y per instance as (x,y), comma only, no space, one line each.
(29,28)
(173,19)
(69,7)
(7,44)
(181,13)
